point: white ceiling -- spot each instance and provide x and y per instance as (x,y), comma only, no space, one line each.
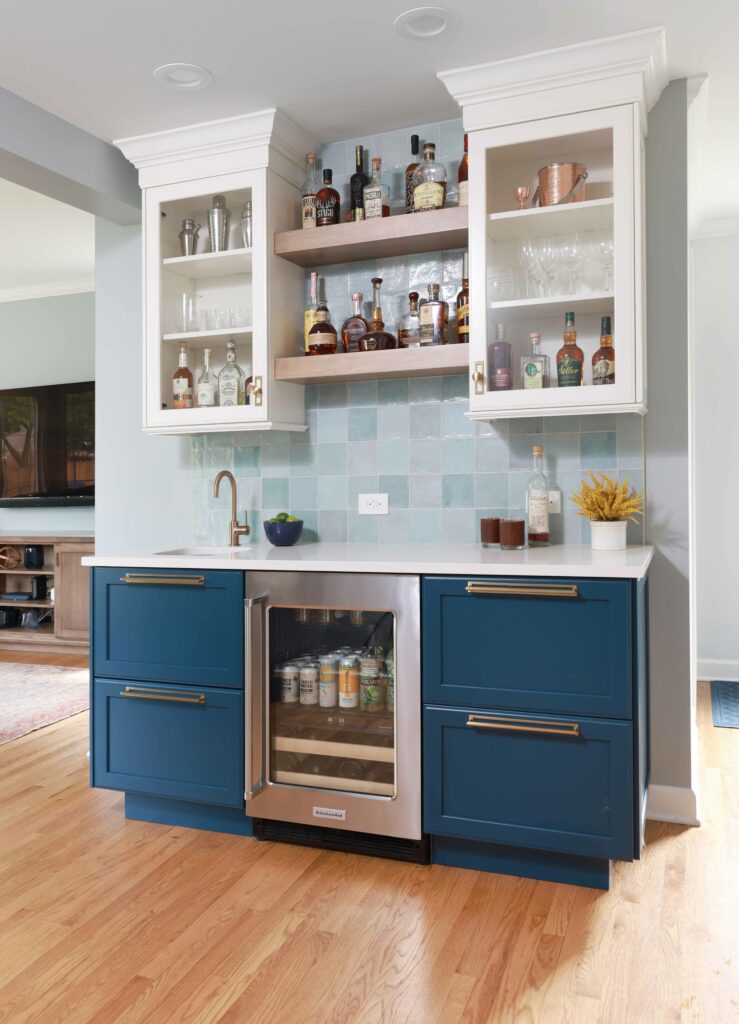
(337,68)
(48,248)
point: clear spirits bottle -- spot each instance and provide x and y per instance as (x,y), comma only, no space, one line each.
(322,337)
(434,318)
(463,301)
(499,358)
(537,502)
(409,174)
(182,383)
(535,365)
(570,357)
(377,338)
(429,181)
(357,183)
(231,380)
(355,326)
(311,310)
(409,335)
(376,195)
(206,392)
(310,190)
(604,360)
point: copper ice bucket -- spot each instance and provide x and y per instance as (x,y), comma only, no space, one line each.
(561,183)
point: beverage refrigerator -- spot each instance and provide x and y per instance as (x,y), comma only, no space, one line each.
(333,710)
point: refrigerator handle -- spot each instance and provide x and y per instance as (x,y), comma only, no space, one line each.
(254,696)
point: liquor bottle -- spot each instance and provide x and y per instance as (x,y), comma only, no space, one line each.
(206,392)
(354,326)
(409,335)
(501,374)
(535,365)
(311,311)
(231,380)
(604,360)
(570,357)
(357,183)
(409,175)
(376,195)
(182,383)
(328,202)
(322,337)
(377,338)
(537,502)
(463,299)
(429,181)
(433,314)
(310,189)
(463,176)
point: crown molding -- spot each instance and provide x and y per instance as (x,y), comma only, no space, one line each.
(47,290)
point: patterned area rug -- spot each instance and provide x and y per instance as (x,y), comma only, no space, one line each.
(725,704)
(32,696)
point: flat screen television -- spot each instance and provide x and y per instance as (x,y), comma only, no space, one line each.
(47,445)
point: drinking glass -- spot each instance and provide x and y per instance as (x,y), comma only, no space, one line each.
(548,254)
(573,255)
(603,252)
(529,261)
(216,319)
(186,313)
(238,316)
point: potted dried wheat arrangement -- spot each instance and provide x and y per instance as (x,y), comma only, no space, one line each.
(609,505)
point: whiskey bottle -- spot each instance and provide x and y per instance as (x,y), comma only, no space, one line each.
(377,338)
(537,502)
(434,318)
(206,392)
(570,357)
(429,181)
(499,358)
(182,383)
(328,202)
(409,175)
(355,326)
(535,365)
(376,195)
(463,300)
(310,188)
(357,183)
(311,311)
(409,335)
(462,177)
(231,380)
(604,360)
(322,337)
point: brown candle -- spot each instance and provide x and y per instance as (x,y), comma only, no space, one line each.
(512,534)
(490,532)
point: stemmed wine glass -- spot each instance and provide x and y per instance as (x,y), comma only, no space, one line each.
(572,256)
(603,252)
(548,254)
(529,260)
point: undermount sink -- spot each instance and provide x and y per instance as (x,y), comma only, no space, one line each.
(211,550)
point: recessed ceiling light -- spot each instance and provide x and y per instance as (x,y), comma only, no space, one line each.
(183,76)
(423,22)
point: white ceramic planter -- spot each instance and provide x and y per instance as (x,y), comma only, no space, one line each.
(607,536)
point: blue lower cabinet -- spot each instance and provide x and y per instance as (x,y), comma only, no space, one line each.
(181,742)
(559,784)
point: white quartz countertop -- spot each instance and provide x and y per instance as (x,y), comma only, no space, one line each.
(428,559)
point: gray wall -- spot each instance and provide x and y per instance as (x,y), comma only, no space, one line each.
(668,442)
(143,491)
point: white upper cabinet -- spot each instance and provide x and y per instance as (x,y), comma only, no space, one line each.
(586,105)
(242,293)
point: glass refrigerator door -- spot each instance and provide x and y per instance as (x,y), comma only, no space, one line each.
(332,699)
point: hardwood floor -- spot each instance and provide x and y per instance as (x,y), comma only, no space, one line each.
(104,921)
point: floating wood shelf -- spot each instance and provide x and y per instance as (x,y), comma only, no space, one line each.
(352,366)
(401,235)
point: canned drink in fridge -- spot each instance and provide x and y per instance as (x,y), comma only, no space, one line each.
(356,617)
(309,684)
(348,683)
(371,694)
(388,690)
(289,675)
(328,681)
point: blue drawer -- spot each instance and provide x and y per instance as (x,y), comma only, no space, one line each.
(562,646)
(569,791)
(174,626)
(171,741)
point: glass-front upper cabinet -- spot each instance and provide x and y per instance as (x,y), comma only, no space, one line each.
(556,256)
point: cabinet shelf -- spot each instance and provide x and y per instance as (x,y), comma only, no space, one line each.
(201,338)
(21,605)
(434,361)
(597,303)
(334,782)
(514,225)
(334,748)
(45,570)
(401,235)
(211,264)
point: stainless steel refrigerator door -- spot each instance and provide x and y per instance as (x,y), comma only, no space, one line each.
(396,815)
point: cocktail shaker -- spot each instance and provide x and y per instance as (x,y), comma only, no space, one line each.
(246,224)
(189,237)
(218,217)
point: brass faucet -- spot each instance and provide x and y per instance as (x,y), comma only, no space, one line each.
(236,529)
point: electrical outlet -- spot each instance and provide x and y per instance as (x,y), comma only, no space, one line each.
(555,502)
(372,505)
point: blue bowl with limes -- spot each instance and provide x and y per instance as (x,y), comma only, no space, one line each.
(283,530)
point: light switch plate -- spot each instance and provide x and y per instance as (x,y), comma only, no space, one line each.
(372,505)
(555,502)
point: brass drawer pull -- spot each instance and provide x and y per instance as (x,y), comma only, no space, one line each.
(523,589)
(175,696)
(164,581)
(538,725)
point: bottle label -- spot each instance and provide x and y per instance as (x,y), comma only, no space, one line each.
(309,211)
(533,373)
(182,393)
(373,202)
(310,317)
(502,379)
(604,372)
(464,193)
(228,392)
(409,207)
(327,212)
(569,372)
(463,319)
(538,513)
(206,395)
(433,320)
(428,195)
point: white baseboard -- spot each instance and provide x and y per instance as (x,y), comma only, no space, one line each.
(717,668)
(672,803)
